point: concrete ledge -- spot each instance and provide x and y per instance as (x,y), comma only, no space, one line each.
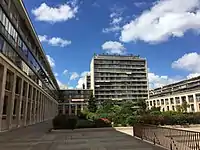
(83,130)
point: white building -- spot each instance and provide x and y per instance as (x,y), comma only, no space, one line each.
(170,96)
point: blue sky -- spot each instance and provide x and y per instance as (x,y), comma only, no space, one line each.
(165,32)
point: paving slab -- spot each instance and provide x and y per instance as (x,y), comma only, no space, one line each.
(37,137)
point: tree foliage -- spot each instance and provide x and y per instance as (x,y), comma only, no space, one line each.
(92,107)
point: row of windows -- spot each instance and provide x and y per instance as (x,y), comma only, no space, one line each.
(8,51)
(176,100)
(18,42)
(122,62)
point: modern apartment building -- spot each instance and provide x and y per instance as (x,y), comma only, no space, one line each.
(170,96)
(119,78)
(88,81)
(28,88)
(72,101)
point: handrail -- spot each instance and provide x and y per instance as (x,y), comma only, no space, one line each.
(170,138)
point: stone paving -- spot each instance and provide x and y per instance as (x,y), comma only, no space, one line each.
(37,137)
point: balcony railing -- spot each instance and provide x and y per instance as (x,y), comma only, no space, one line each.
(173,139)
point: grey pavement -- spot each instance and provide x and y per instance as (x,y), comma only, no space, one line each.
(37,137)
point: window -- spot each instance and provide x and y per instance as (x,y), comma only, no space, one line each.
(15,107)
(154,102)
(162,101)
(183,98)
(158,102)
(177,99)
(173,108)
(5,104)
(1,43)
(167,108)
(9,80)
(150,103)
(197,97)
(172,100)
(190,98)
(192,107)
(166,101)
(18,85)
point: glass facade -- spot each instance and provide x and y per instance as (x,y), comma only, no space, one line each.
(19,47)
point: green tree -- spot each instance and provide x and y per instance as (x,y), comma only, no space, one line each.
(92,107)
(140,107)
(184,106)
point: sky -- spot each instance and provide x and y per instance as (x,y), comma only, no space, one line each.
(165,32)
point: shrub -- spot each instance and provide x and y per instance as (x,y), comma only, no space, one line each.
(64,122)
(82,123)
(102,122)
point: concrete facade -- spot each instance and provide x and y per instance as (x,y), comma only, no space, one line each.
(170,96)
(28,88)
(73,101)
(119,78)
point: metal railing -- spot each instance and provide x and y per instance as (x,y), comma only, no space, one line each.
(170,138)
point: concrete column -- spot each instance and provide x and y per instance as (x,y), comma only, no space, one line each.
(31,105)
(3,75)
(187,100)
(38,107)
(76,109)
(70,109)
(11,103)
(81,106)
(41,99)
(63,105)
(196,105)
(35,105)
(18,108)
(26,105)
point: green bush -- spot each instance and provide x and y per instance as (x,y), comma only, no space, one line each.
(64,122)
(102,122)
(82,123)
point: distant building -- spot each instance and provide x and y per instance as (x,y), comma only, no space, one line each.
(72,101)
(170,96)
(119,78)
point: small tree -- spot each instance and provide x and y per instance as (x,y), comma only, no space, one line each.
(184,106)
(142,106)
(92,107)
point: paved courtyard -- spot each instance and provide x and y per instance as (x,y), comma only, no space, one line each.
(37,137)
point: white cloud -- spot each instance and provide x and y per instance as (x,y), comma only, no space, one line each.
(50,14)
(54,41)
(84,73)
(62,85)
(139,4)
(51,61)
(156,81)
(57,41)
(74,76)
(192,75)
(42,38)
(189,62)
(115,21)
(80,83)
(167,18)
(111,29)
(65,72)
(55,74)
(113,47)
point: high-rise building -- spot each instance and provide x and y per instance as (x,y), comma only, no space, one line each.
(88,81)
(28,88)
(170,97)
(119,78)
